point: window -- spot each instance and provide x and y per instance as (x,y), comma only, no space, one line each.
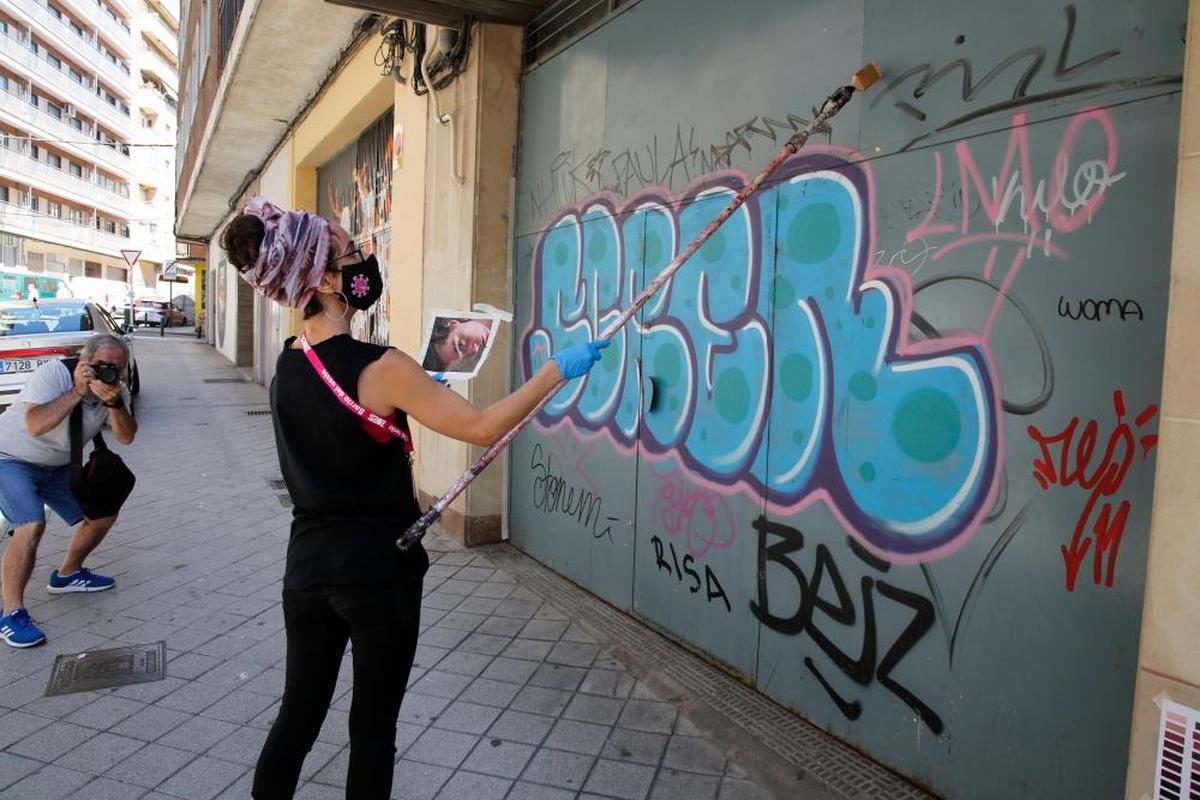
(115,274)
(36,262)
(55,264)
(77,76)
(54,110)
(34,153)
(3,194)
(76,123)
(55,10)
(4,82)
(110,226)
(33,202)
(77,170)
(77,217)
(54,209)
(91,269)
(78,30)
(54,160)
(54,60)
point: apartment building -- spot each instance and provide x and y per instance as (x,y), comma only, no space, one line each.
(87,118)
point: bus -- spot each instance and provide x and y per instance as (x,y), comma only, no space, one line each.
(20,284)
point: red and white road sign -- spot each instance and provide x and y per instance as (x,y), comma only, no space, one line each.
(131,257)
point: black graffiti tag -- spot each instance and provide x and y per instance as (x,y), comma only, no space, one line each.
(866,666)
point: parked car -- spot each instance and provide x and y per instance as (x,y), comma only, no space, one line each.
(33,333)
(152,312)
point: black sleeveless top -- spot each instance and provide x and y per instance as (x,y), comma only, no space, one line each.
(352,495)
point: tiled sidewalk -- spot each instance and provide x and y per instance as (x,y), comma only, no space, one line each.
(519,690)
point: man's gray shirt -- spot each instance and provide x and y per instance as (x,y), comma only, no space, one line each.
(53,448)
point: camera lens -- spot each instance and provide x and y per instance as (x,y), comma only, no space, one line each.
(106,373)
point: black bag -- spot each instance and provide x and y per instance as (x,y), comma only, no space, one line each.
(102,485)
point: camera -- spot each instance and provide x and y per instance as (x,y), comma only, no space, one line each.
(107,373)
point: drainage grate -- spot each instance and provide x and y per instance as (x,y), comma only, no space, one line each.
(104,669)
(277,484)
(259,412)
(226,380)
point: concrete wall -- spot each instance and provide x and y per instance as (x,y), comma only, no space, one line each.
(466,249)
(886,445)
(1169,659)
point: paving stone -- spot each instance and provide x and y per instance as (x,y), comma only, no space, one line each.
(198,734)
(203,779)
(484,643)
(493,590)
(443,748)
(627,745)
(648,715)
(230,675)
(108,789)
(105,711)
(578,737)
(473,573)
(607,682)
(476,787)
(318,791)
(493,756)
(534,791)
(467,717)
(241,746)
(556,676)
(516,607)
(100,752)
(428,656)
(501,626)
(620,779)
(442,684)
(151,765)
(471,664)
(18,725)
(518,726)
(539,700)
(443,637)
(151,691)
(48,783)
(239,707)
(672,785)
(192,697)
(490,693)
(150,723)
(442,601)
(460,620)
(557,768)
(191,665)
(573,654)
(422,709)
(334,771)
(550,630)
(336,728)
(528,649)
(51,742)
(685,727)
(589,708)
(419,781)
(732,789)
(694,754)
(513,670)
(13,768)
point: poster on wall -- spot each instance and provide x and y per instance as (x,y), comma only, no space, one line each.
(458,343)
(354,190)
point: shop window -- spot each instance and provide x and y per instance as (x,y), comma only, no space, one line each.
(115,273)
(91,269)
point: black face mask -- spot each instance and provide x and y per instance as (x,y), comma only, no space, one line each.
(362,285)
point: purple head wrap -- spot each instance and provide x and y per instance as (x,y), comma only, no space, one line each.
(292,256)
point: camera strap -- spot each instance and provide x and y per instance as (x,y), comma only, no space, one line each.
(366,416)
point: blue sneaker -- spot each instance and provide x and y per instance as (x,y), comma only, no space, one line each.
(18,630)
(81,580)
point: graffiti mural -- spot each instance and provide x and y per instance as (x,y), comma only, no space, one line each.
(355,191)
(837,358)
(891,432)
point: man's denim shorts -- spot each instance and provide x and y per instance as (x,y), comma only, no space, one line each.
(26,488)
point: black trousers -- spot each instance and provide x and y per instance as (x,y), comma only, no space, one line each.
(380,622)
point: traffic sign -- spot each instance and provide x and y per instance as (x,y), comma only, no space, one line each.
(170,271)
(131,257)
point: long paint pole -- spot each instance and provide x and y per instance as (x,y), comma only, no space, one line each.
(833,104)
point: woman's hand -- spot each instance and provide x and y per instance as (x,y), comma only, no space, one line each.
(578,360)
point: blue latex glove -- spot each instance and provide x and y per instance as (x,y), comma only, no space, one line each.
(578,360)
(441,378)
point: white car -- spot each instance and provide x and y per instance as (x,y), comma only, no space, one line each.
(33,333)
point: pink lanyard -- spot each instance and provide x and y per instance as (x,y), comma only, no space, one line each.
(346,400)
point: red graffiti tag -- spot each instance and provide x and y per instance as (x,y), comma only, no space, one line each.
(1075,458)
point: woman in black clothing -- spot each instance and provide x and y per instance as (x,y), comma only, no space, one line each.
(352,489)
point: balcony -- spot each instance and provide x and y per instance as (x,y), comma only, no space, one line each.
(17,166)
(153,27)
(23,221)
(16,109)
(154,100)
(113,30)
(18,57)
(33,13)
(148,59)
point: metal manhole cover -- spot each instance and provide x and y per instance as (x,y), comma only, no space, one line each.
(226,380)
(104,669)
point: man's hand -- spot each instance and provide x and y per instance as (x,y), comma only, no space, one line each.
(107,394)
(84,377)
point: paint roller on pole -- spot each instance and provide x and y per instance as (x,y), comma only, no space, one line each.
(833,104)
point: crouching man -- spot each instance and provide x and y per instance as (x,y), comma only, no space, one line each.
(35,471)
